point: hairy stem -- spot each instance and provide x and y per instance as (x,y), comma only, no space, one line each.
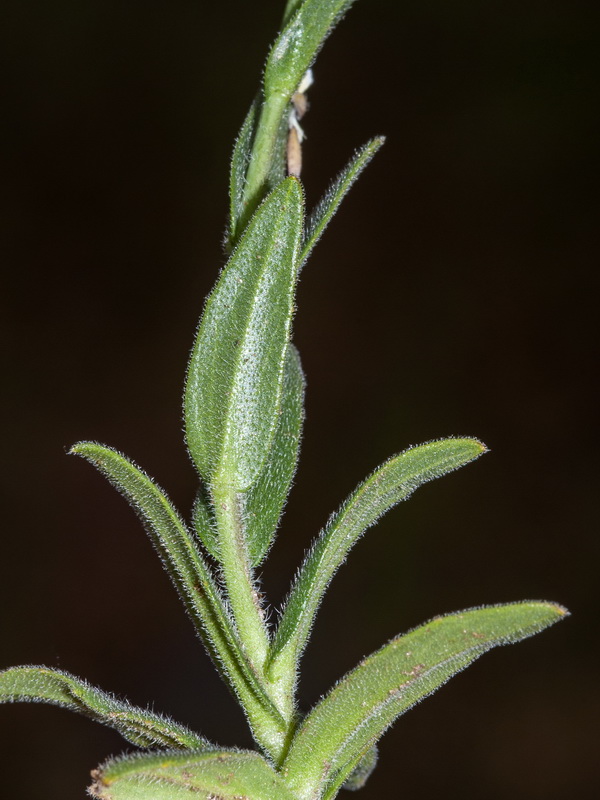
(263,153)
(241,591)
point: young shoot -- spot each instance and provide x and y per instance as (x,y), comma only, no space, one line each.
(244,411)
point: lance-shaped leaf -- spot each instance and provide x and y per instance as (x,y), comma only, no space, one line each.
(263,503)
(297,45)
(137,725)
(239,166)
(357,711)
(394,481)
(326,208)
(235,374)
(194,582)
(218,775)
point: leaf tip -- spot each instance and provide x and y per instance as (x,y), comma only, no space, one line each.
(483,448)
(474,447)
(561,611)
(98,784)
(81,449)
(295,186)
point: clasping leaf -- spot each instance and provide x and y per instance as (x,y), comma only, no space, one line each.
(263,503)
(235,374)
(217,775)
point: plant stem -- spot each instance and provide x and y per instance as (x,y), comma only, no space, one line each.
(272,732)
(241,591)
(263,153)
(265,141)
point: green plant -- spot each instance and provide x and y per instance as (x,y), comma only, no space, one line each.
(243,413)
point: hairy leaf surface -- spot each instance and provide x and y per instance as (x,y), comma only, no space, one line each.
(192,579)
(357,711)
(394,481)
(306,26)
(325,210)
(219,775)
(236,370)
(297,45)
(239,166)
(263,503)
(139,726)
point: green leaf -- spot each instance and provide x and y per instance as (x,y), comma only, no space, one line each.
(242,162)
(306,27)
(194,582)
(139,726)
(263,503)
(394,481)
(218,775)
(239,166)
(236,370)
(296,47)
(358,710)
(329,204)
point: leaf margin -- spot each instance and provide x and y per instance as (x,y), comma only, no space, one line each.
(225,766)
(137,725)
(308,773)
(217,386)
(315,574)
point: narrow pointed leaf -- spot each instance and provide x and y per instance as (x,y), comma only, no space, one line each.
(393,482)
(193,580)
(139,726)
(218,775)
(239,166)
(329,204)
(236,370)
(358,710)
(297,45)
(263,503)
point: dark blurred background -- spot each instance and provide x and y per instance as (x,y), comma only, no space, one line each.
(455,293)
